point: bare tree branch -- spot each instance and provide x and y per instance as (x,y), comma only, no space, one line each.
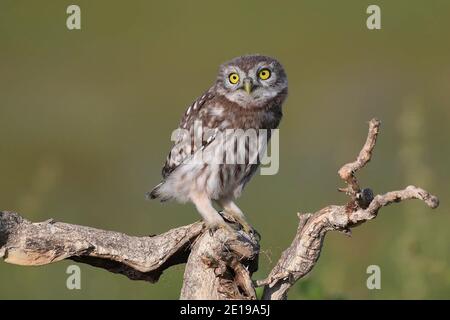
(304,251)
(219,265)
(347,172)
(139,258)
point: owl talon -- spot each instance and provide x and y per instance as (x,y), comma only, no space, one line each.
(248,229)
(212,228)
(251,231)
(256,234)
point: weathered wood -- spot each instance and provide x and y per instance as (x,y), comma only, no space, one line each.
(304,251)
(301,256)
(220,267)
(219,264)
(139,258)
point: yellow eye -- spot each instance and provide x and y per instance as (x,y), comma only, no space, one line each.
(233,77)
(264,74)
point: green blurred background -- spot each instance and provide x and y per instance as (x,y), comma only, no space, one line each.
(86,118)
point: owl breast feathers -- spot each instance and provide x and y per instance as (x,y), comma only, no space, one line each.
(246,97)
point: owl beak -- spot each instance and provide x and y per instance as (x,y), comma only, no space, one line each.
(248,85)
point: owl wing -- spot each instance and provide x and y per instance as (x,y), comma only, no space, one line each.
(184,147)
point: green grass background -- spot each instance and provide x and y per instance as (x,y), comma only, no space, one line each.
(86,117)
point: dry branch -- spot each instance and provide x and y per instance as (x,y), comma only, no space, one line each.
(219,266)
(304,251)
(139,258)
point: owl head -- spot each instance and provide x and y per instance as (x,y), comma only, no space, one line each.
(251,80)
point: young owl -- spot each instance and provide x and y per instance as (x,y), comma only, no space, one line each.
(247,94)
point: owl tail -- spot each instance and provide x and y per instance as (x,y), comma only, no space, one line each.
(155,193)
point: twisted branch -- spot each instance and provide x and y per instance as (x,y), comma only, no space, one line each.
(219,265)
(138,258)
(304,251)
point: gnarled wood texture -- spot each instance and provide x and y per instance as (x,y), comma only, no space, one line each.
(219,265)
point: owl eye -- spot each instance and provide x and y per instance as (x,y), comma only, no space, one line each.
(233,78)
(264,74)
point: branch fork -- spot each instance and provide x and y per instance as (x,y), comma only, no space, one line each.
(218,266)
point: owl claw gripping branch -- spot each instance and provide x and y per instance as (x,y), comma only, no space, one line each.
(247,95)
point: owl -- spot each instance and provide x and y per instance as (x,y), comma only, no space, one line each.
(247,96)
